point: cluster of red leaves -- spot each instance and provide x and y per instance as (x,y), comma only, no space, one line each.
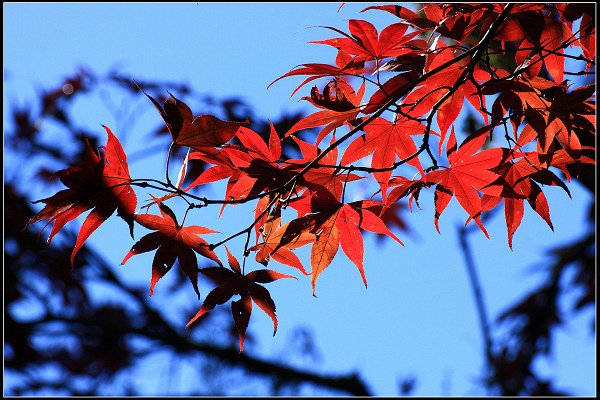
(420,70)
(433,79)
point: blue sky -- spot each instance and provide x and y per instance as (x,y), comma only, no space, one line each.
(417,317)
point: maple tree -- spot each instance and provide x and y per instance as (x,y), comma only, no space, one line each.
(417,74)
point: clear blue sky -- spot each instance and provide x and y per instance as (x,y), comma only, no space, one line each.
(418,316)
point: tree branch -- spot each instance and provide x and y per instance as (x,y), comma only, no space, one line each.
(478,297)
(173,338)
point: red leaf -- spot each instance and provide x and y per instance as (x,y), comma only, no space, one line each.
(241,311)
(386,141)
(251,168)
(173,242)
(372,223)
(467,174)
(202,131)
(391,89)
(324,249)
(518,184)
(233,262)
(332,119)
(102,184)
(278,242)
(233,282)
(333,223)
(274,143)
(438,85)
(367,44)
(340,103)
(316,71)
(552,39)
(347,223)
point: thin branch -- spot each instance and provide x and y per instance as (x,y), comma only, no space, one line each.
(478,296)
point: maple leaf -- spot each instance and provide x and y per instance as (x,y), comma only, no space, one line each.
(316,71)
(456,21)
(518,184)
(386,140)
(325,175)
(553,36)
(254,167)
(279,241)
(405,14)
(571,12)
(587,36)
(171,241)
(438,85)
(251,168)
(404,187)
(467,174)
(562,159)
(367,44)
(462,22)
(233,282)
(562,114)
(338,107)
(524,22)
(203,131)
(334,224)
(515,96)
(258,164)
(551,112)
(102,184)
(539,35)
(223,167)
(338,95)
(396,87)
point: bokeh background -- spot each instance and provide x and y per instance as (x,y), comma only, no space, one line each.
(70,67)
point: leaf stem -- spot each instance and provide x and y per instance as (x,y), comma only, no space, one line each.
(167,166)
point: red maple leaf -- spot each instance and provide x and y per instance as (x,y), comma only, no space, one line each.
(516,96)
(325,174)
(553,36)
(278,241)
(405,14)
(386,140)
(339,103)
(456,21)
(404,187)
(231,283)
(346,67)
(562,159)
(334,224)
(102,184)
(437,85)
(251,168)
(203,131)
(467,174)
(365,43)
(519,184)
(171,241)
(587,28)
